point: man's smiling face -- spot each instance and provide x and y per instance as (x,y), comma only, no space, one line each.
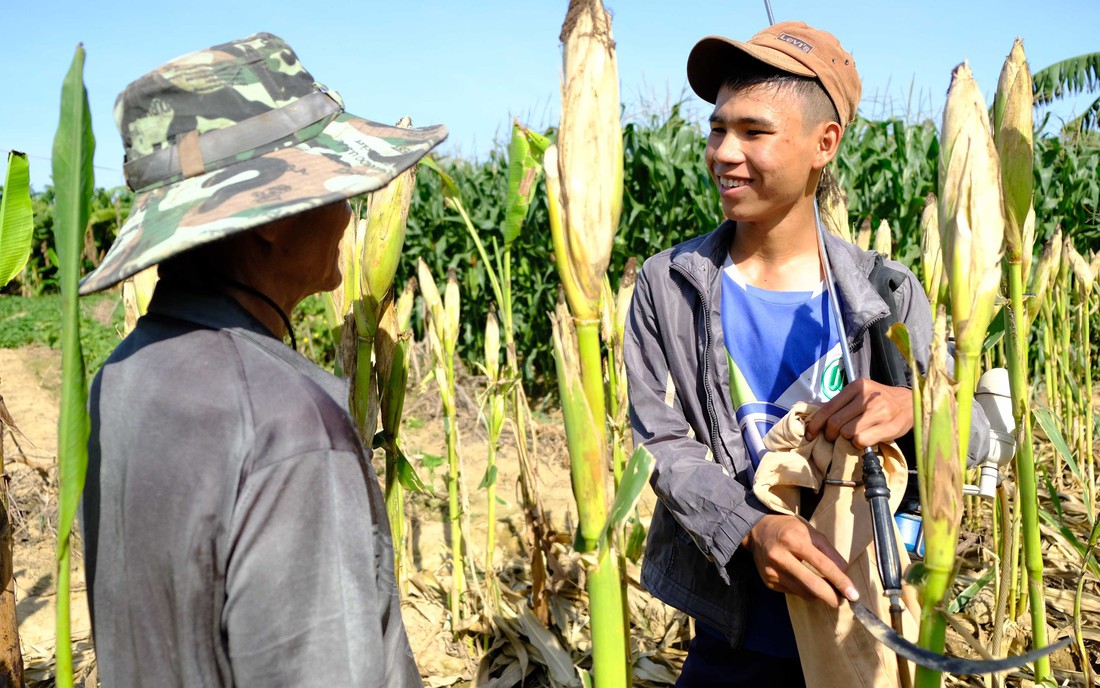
(761,152)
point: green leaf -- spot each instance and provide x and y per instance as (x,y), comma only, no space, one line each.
(406,475)
(968,593)
(523,171)
(73,149)
(450,188)
(635,542)
(489,479)
(16,219)
(1050,426)
(431,461)
(1071,539)
(635,478)
(996,330)
(916,573)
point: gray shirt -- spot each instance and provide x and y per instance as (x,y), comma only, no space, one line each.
(235,533)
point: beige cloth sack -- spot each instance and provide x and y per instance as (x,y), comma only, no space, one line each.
(834,647)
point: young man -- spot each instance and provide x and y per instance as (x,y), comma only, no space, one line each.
(729,330)
(235,531)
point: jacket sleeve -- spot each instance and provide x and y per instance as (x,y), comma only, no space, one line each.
(310,592)
(916,313)
(711,505)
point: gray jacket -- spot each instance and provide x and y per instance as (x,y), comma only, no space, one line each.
(235,531)
(682,411)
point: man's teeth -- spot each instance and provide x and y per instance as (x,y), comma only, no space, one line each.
(731,183)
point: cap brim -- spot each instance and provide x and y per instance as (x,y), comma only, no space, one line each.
(715,58)
(350,156)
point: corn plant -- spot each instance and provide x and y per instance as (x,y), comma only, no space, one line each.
(973,233)
(524,160)
(1013,137)
(73,149)
(585,190)
(442,314)
(137,291)
(392,350)
(494,415)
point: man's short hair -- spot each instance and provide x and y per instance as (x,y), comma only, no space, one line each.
(818,107)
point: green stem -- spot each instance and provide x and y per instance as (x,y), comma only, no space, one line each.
(1025,467)
(395,509)
(588,341)
(454,514)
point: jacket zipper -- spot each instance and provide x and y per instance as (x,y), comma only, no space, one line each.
(706,361)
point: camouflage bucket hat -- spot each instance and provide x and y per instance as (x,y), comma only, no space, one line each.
(229,138)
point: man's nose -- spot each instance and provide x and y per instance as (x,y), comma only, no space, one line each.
(729,150)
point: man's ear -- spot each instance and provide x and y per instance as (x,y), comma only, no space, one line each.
(827,144)
(268,232)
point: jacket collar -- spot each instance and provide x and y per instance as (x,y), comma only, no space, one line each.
(704,257)
(212,309)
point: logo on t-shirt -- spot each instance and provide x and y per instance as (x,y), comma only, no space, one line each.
(832,380)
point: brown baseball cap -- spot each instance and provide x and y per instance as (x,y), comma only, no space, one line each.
(790,46)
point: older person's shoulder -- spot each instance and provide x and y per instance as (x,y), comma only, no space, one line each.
(294,407)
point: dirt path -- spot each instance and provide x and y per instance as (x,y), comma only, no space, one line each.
(29,380)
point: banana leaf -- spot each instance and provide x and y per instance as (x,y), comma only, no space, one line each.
(16,219)
(73,149)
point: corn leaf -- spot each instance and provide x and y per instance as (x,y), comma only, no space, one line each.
(16,219)
(523,172)
(73,149)
(635,478)
(968,593)
(406,474)
(1050,426)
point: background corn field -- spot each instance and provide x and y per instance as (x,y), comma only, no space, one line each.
(886,167)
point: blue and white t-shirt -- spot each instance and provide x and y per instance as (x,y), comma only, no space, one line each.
(782,348)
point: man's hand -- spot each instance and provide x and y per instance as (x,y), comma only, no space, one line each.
(781,543)
(865,412)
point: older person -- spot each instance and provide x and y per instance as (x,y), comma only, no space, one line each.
(236,533)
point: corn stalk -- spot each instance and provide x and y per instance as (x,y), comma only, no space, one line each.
(442,313)
(1013,132)
(525,153)
(585,188)
(392,351)
(973,233)
(494,414)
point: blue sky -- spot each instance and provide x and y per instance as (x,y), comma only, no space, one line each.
(474,65)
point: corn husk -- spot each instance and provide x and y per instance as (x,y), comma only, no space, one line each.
(971,211)
(884,243)
(1045,269)
(1027,247)
(1082,271)
(452,310)
(863,237)
(1013,132)
(433,302)
(931,255)
(387,211)
(834,210)
(590,151)
(492,348)
(137,291)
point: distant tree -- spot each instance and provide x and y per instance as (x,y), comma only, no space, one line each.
(1079,74)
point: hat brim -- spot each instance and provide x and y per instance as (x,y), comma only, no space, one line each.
(348,157)
(713,59)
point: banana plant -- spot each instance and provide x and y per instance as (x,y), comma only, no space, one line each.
(73,149)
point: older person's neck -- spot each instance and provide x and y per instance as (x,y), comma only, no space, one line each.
(263,299)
